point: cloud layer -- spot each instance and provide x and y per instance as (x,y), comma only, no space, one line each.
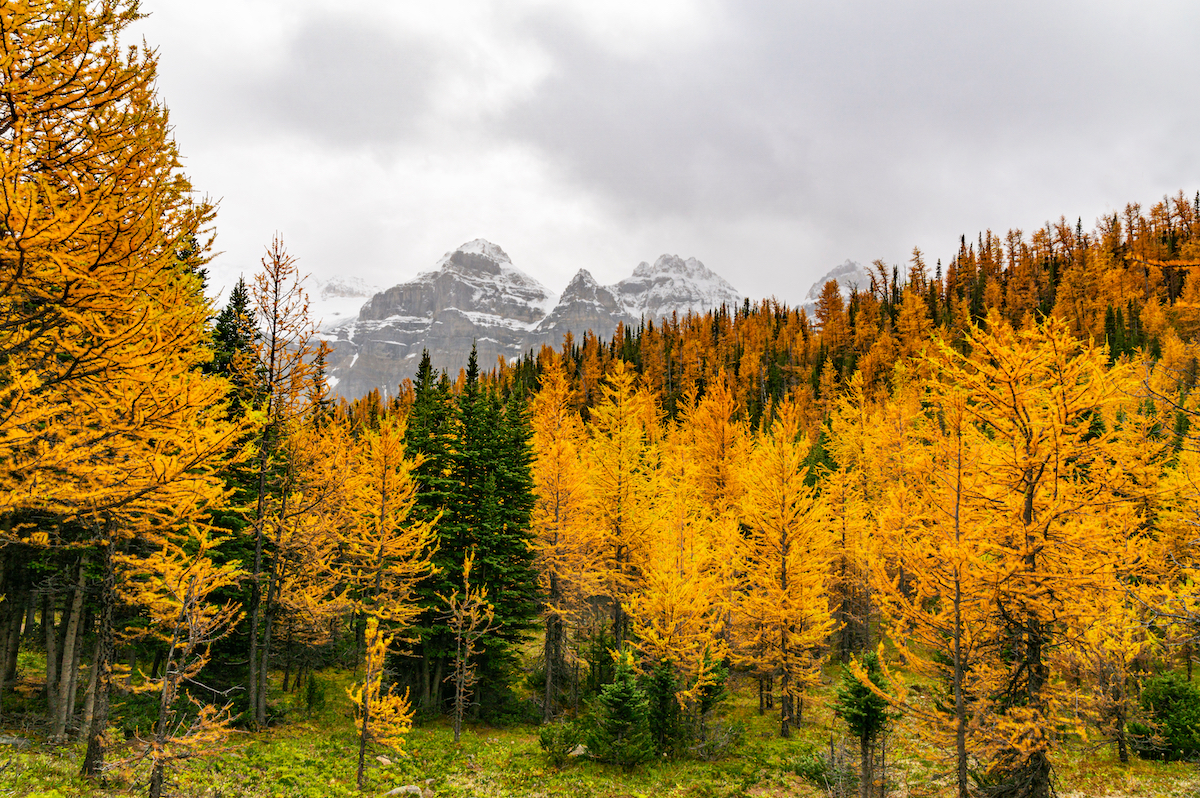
(771,140)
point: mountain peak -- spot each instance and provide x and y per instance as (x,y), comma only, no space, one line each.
(672,264)
(673,284)
(483,247)
(849,274)
(477,257)
(581,279)
(475,297)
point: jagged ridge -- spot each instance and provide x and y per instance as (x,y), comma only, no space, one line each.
(475,296)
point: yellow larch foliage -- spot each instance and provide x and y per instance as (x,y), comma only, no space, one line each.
(1056,482)
(382,555)
(680,605)
(107,416)
(931,582)
(303,522)
(720,440)
(1175,593)
(619,458)
(383,716)
(567,542)
(784,612)
(383,552)
(102,321)
(173,585)
(470,616)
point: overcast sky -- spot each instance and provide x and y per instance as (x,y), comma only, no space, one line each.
(772,140)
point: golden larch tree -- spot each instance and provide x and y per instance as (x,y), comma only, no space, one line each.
(384,553)
(785,604)
(624,426)
(567,543)
(106,417)
(1056,466)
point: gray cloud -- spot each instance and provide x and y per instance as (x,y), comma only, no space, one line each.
(341,82)
(867,111)
(778,140)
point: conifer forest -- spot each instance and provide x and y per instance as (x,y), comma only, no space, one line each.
(938,538)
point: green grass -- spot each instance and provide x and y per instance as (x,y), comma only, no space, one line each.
(316,756)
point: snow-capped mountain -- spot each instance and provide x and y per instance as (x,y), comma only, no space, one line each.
(849,275)
(335,303)
(475,296)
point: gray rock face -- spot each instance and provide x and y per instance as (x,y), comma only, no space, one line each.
(477,297)
(584,305)
(478,277)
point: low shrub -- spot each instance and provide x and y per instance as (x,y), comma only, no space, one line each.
(558,740)
(1173,706)
(812,766)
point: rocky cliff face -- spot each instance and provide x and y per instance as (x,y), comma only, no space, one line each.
(584,305)
(477,297)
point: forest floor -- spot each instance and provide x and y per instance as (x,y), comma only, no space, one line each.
(313,754)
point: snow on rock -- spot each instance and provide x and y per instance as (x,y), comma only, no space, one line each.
(673,285)
(335,303)
(849,275)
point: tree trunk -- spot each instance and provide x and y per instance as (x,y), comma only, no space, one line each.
(15,602)
(287,661)
(70,660)
(260,513)
(1122,746)
(30,615)
(785,705)
(255,608)
(21,624)
(156,780)
(426,696)
(460,672)
(553,659)
(960,706)
(865,778)
(170,683)
(156,666)
(260,711)
(48,632)
(7,611)
(93,760)
(89,699)
(366,724)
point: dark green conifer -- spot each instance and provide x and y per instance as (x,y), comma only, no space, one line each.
(865,713)
(621,735)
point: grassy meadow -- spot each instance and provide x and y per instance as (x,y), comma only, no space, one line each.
(311,753)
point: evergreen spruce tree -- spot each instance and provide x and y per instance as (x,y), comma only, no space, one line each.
(621,735)
(491,470)
(430,435)
(477,475)
(666,728)
(233,337)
